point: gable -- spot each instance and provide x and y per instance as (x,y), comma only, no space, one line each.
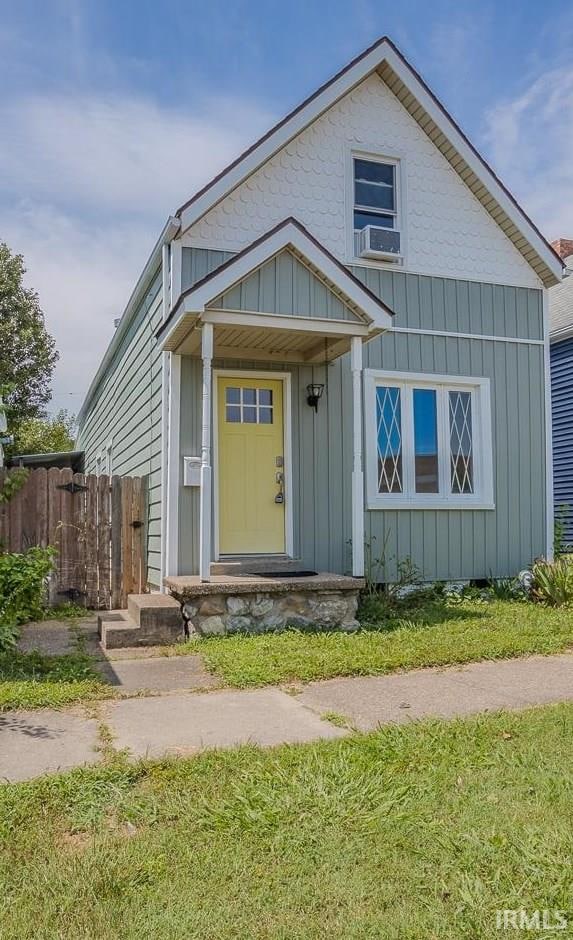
(449,232)
(284,285)
(383,59)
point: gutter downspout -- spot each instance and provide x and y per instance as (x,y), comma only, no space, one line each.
(550,511)
(169,233)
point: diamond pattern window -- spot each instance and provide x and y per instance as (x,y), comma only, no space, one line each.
(461,443)
(431,444)
(389,438)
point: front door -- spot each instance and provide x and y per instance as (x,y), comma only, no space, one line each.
(250,465)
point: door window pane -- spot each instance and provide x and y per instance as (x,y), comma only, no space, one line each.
(425,440)
(461,442)
(249,405)
(389,439)
(233,414)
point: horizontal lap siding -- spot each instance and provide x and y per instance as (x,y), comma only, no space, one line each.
(562,405)
(126,412)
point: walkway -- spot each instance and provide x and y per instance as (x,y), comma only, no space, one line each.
(178,721)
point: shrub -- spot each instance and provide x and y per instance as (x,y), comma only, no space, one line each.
(505,589)
(553,582)
(22,580)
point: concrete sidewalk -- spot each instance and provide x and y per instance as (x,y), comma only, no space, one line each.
(45,740)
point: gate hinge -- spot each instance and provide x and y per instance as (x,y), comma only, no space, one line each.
(72,487)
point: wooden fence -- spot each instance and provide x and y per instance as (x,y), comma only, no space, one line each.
(96,523)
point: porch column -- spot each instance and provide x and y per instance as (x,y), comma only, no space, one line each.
(205,521)
(357,474)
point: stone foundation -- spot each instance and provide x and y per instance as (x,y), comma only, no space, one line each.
(259,613)
(253,605)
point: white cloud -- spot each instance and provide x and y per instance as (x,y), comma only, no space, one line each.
(530,140)
(86,185)
(118,153)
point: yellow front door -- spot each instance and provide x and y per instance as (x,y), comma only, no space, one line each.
(251,465)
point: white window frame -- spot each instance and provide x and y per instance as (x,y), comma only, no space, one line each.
(482,497)
(376,154)
(104,461)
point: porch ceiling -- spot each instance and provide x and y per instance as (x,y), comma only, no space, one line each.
(264,343)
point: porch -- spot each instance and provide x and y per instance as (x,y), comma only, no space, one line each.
(268,600)
(253,335)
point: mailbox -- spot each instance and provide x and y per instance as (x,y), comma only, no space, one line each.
(191,471)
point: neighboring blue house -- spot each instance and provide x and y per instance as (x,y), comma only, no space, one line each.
(561,325)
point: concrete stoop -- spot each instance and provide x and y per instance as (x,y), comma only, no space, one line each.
(150,620)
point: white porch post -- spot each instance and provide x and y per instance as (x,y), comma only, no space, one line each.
(205,508)
(357,474)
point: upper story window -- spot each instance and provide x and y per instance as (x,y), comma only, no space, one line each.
(374,194)
(376,214)
(428,441)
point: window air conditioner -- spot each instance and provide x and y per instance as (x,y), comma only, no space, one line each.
(377,242)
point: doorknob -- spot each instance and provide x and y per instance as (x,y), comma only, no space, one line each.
(279,479)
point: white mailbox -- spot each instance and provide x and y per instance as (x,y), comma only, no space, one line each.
(191,471)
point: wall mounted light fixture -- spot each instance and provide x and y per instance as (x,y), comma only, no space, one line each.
(314,394)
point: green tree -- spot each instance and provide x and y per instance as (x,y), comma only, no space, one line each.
(45,435)
(27,351)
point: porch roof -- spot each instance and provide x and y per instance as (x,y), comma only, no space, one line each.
(268,332)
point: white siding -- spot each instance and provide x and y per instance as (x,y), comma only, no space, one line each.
(449,233)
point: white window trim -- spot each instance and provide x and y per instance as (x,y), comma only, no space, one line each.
(104,460)
(482,498)
(379,155)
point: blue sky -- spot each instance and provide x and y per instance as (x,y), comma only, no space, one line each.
(115,112)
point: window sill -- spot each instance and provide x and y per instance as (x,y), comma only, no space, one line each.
(388,504)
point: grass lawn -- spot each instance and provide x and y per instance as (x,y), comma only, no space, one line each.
(33,680)
(435,634)
(413,832)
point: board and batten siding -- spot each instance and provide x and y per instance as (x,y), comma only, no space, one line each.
(562,408)
(125,412)
(285,286)
(444,544)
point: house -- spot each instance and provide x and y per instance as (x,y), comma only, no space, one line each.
(341,341)
(561,338)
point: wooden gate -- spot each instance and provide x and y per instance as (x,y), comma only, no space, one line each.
(96,524)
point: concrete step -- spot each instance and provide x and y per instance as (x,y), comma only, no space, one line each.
(150,620)
(154,610)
